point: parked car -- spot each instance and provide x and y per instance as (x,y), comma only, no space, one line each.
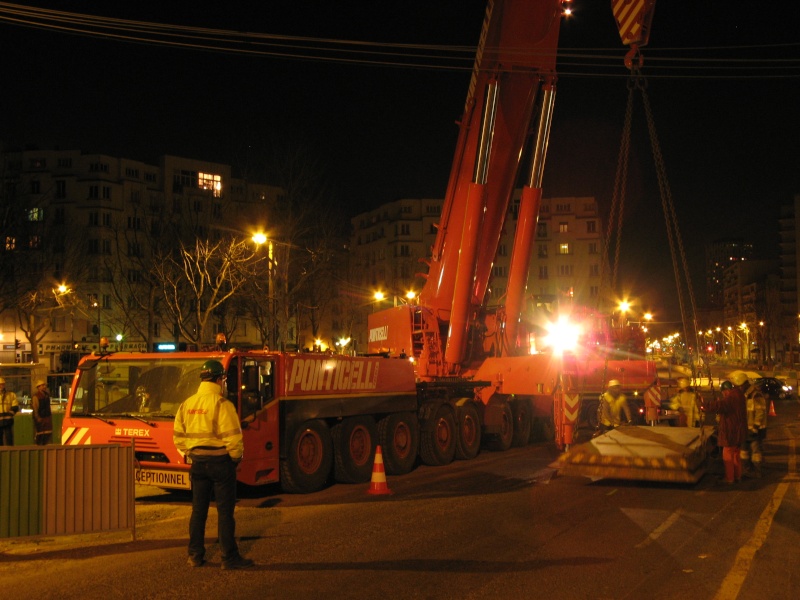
(774,388)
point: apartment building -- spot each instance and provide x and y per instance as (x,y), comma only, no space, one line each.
(92,222)
(390,244)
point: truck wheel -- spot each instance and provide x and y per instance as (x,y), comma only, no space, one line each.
(438,440)
(521,410)
(308,464)
(502,441)
(590,410)
(354,442)
(469,432)
(542,429)
(398,435)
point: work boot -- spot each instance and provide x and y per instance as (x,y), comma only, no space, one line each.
(195,561)
(239,562)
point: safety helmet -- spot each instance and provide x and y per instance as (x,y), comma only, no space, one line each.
(683,383)
(726,385)
(211,369)
(738,377)
(614,383)
(41,382)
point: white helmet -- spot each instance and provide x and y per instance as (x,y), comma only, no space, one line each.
(738,377)
(683,383)
(614,383)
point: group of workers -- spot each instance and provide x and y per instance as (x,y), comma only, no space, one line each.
(740,409)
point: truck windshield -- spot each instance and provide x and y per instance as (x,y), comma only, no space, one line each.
(148,387)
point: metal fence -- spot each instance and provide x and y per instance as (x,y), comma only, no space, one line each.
(61,490)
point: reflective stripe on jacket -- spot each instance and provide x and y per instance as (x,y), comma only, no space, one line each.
(756,409)
(9,405)
(611,409)
(686,402)
(208,420)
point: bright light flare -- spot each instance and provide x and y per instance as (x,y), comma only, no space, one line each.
(562,336)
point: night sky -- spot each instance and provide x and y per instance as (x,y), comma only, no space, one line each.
(728,132)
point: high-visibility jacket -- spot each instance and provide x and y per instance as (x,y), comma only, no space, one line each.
(687,402)
(207,424)
(611,409)
(9,406)
(756,409)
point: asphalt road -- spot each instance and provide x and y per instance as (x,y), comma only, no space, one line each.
(505,525)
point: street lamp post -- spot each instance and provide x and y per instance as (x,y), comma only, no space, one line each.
(96,305)
(260,239)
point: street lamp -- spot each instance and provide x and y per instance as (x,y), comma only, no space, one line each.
(746,331)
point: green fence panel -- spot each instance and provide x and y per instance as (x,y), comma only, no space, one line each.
(20,491)
(24,433)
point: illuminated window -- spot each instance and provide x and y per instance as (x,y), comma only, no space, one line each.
(11,243)
(563,248)
(562,228)
(207,181)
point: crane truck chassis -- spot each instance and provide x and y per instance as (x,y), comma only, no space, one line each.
(307,418)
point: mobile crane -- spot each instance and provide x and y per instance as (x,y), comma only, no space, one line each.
(450,333)
(445,371)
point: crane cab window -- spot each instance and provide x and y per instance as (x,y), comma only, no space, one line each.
(257,386)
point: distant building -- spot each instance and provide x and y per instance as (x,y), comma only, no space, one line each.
(788,234)
(752,310)
(719,255)
(93,220)
(390,243)
(567,260)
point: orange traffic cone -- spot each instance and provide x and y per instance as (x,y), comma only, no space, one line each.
(772,412)
(377,486)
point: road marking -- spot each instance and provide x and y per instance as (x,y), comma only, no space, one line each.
(656,533)
(732,584)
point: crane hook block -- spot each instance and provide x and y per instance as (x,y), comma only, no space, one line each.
(633,20)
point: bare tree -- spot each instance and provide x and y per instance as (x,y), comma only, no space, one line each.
(304,228)
(201,279)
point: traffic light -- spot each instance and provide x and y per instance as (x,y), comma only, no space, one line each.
(16,343)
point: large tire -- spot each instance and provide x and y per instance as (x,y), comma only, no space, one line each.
(468,422)
(308,462)
(521,411)
(590,411)
(354,441)
(437,445)
(398,435)
(502,441)
(542,429)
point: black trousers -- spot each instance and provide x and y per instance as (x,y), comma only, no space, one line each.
(213,475)
(7,434)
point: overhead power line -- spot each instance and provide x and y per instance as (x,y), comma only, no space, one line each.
(755,62)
